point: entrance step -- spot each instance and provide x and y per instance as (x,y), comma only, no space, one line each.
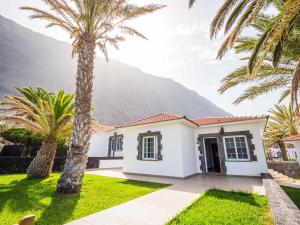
(280,178)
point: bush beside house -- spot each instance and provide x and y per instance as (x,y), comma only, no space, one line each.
(17,156)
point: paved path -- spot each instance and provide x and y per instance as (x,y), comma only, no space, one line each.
(158,207)
(284,211)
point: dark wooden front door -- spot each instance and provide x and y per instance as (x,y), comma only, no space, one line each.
(212,155)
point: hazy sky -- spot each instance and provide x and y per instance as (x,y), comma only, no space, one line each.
(179,48)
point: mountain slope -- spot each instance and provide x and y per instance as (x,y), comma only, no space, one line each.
(121,93)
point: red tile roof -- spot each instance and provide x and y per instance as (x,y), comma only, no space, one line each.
(104,128)
(228,119)
(293,138)
(162,117)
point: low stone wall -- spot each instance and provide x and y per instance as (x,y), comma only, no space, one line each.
(94,162)
(17,164)
(289,168)
(284,211)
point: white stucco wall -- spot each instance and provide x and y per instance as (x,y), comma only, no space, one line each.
(188,151)
(249,168)
(99,145)
(111,163)
(297,148)
(177,151)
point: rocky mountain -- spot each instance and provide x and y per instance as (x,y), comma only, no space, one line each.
(121,93)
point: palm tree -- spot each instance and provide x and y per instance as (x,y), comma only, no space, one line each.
(90,23)
(276,38)
(282,123)
(236,15)
(48,114)
(268,77)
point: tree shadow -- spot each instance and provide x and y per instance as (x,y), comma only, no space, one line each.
(26,196)
(143,184)
(60,209)
(19,195)
(234,196)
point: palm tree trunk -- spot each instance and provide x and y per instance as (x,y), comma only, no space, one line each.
(42,164)
(71,178)
(283,151)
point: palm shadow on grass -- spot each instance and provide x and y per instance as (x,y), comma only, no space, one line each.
(143,184)
(17,195)
(60,209)
(25,196)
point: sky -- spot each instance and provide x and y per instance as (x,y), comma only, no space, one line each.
(179,48)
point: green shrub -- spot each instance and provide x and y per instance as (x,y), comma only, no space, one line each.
(32,141)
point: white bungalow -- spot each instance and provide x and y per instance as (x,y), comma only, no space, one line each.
(176,146)
(295,140)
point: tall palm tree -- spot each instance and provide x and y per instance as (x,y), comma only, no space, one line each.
(90,23)
(282,123)
(48,114)
(268,77)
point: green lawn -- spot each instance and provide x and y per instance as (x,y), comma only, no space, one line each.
(221,207)
(20,196)
(294,194)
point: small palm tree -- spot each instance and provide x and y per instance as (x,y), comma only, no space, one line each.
(91,24)
(282,123)
(48,114)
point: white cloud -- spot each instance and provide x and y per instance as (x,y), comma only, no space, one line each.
(212,88)
(203,52)
(192,29)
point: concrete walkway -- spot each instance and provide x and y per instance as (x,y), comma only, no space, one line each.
(158,207)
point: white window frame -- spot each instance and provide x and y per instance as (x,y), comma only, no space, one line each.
(119,145)
(155,148)
(235,148)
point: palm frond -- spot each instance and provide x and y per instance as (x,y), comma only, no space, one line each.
(262,88)
(39,111)
(103,20)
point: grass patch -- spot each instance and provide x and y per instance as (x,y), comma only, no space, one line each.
(221,207)
(20,197)
(294,194)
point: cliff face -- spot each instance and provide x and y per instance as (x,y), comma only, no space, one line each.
(121,93)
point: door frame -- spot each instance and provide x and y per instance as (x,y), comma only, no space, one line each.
(202,154)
